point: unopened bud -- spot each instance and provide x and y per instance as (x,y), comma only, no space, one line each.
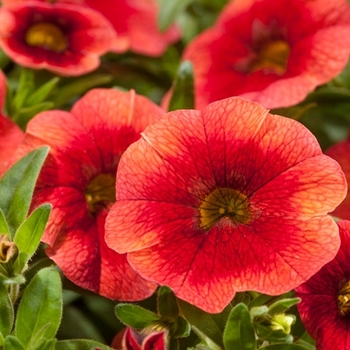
(8,249)
(282,322)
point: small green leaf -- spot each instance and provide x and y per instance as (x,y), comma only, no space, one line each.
(24,89)
(183,90)
(16,279)
(17,186)
(28,235)
(13,343)
(80,344)
(166,300)
(266,333)
(260,300)
(258,311)
(4,227)
(282,305)
(206,340)
(40,94)
(44,344)
(203,322)
(284,347)
(6,312)
(239,332)
(135,316)
(40,310)
(169,10)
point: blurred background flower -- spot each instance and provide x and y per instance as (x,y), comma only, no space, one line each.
(263,52)
(63,38)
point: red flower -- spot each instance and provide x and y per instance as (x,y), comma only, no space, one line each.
(226,199)
(128,339)
(135,23)
(10,133)
(341,153)
(66,39)
(325,304)
(78,179)
(270,53)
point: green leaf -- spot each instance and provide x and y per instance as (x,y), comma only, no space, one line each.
(13,343)
(284,347)
(40,310)
(183,90)
(206,340)
(80,344)
(181,328)
(40,94)
(6,312)
(166,300)
(16,279)
(17,186)
(260,300)
(25,87)
(239,332)
(204,322)
(169,10)
(135,316)
(28,235)
(258,311)
(4,227)
(282,305)
(266,333)
(44,344)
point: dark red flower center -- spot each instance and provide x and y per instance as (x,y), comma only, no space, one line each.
(272,57)
(224,203)
(47,36)
(344,299)
(100,193)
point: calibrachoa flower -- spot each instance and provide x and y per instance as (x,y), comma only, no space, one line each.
(64,38)
(274,55)
(10,133)
(230,198)
(325,304)
(341,153)
(134,21)
(78,179)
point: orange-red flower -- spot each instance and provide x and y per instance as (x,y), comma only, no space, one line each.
(135,23)
(230,198)
(78,179)
(341,153)
(64,38)
(270,52)
(325,299)
(10,133)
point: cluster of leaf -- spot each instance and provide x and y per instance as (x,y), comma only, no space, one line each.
(252,321)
